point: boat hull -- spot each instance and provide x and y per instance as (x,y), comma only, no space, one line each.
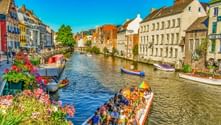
(52,87)
(132,72)
(144,116)
(201,80)
(157,66)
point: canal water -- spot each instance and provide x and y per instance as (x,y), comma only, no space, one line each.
(177,102)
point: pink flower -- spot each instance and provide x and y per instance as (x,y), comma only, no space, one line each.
(60,103)
(69,110)
(6,71)
(38,92)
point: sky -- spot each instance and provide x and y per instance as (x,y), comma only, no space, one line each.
(86,14)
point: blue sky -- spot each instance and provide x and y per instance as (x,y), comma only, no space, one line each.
(86,14)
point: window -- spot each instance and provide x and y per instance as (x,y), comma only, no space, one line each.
(199,9)
(162,38)
(162,27)
(157,41)
(147,28)
(153,27)
(172,39)
(168,24)
(176,53)
(189,8)
(168,38)
(152,38)
(147,39)
(216,11)
(214,27)
(177,37)
(174,22)
(197,43)
(213,47)
(158,26)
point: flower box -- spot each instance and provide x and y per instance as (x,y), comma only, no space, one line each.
(13,88)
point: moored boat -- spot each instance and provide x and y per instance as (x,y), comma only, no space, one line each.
(135,109)
(198,78)
(132,72)
(52,85)
(89,55)
(63,83)
(164,67)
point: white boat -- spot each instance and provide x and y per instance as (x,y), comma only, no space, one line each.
(164,67)
(210,80)
(52,86)
(143,113)
(89,55)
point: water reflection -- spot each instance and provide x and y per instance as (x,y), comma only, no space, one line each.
(177,102)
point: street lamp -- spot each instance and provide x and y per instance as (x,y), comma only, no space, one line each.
(7,52)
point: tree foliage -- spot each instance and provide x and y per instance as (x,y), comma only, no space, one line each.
(114,51)
(135,50)
(88,43)
(65,36)
(105,50)
(201,50)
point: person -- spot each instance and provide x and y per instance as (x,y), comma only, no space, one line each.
(122,118)
(114,116)
(95,120)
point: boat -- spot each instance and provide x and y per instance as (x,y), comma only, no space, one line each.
(89,55)
(52,85)
(63,83)
(164,67)
(132,72)
(197,78)
(58,59)
(141,113)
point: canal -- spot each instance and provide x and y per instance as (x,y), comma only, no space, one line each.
(177,102)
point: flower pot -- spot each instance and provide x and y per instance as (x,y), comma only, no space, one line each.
(16,85)
(12,88)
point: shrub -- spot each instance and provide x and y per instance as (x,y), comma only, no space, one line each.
(187,68)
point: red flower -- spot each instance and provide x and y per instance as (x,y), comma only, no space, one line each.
(14,67)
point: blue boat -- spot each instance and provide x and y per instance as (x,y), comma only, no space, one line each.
(131,72)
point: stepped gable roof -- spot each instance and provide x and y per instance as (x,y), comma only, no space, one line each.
(199,25)
(167,11)
(4,6)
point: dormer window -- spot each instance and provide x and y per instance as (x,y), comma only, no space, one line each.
(199,9)
(189,8)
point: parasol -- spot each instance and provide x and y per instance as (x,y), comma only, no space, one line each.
(144,85)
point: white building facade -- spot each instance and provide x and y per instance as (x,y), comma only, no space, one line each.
(125,41)
(162,32)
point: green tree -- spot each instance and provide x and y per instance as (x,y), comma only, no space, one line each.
(88,43)
(202,49)
(96,50)
(65,36)
(135,50)
(105,50)
(114,51)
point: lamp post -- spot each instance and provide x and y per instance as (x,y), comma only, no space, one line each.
(7,52)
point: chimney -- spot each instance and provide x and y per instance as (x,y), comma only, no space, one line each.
(153,9)
(180,1)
